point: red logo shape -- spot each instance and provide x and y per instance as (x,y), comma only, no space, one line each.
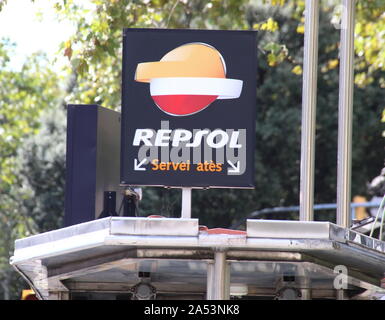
(188,79)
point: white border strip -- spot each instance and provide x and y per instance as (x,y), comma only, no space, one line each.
(223,88)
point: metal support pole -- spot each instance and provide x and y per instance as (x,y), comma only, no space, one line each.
(305,283)
(186,203)
(210,281)
(345,114)
(218,277)
(309,103)
(340,294)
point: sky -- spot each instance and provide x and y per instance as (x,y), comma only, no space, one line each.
(19,21)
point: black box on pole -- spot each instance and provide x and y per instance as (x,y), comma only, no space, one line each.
(92,161)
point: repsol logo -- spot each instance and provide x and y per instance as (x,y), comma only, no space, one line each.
(195,146)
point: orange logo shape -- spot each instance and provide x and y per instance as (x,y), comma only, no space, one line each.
(188,79)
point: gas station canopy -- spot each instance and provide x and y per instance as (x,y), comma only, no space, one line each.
(178,259)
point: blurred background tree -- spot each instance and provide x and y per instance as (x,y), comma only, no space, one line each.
(33,115)
(24,96)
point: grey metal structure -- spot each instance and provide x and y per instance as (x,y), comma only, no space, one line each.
(104,259)
(186,203)
(317,207)
(345,114)
(309,103)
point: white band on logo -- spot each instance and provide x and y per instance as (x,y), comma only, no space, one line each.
(223,88)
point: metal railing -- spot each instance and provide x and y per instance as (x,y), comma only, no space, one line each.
(317,207)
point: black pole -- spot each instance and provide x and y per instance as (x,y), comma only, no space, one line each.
(109,205)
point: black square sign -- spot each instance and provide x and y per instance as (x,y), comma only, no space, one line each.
(188,108)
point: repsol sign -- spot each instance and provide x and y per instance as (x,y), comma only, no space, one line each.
(188,108)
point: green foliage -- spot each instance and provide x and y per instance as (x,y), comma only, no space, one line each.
(41,170)
(370,41)
(24,95)
(2,4)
